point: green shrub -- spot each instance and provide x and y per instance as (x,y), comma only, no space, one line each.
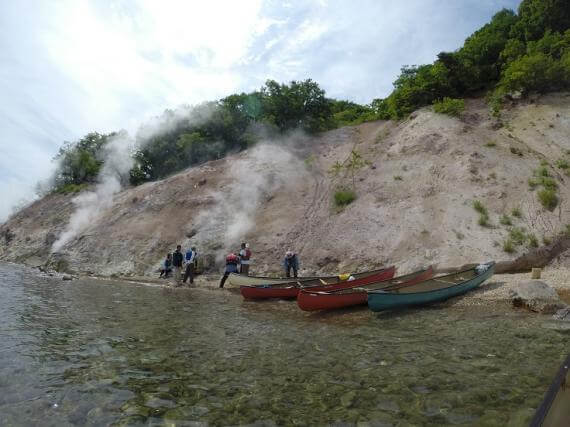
(546,240)
(548,198)
(491,144)
(310,161)
(532,241)
(508,246)
(516,212)
(479,207)
(548,183)
(344,197)
(517,235)
(567,230)
(71,188)
(450,106)
(542,171)
(398,178)
(505,220)
(483,220)
(562,164)
(533,183)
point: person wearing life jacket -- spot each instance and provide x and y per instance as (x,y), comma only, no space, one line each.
(232,261)
(291,261)
(190,259)
(244,258)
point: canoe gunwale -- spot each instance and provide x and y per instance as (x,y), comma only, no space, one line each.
(451,284)
(363,288)
(293,283)
(386,300)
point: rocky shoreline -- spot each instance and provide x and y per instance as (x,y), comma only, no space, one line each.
(548,296)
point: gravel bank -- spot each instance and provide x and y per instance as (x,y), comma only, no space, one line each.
(496,290)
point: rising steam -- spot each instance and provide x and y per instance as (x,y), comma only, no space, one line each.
(255,176)
(118,162)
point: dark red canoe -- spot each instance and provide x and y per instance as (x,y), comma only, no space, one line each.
(355,293)
(290,290)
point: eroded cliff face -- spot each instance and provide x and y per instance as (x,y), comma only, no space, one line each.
(414,205)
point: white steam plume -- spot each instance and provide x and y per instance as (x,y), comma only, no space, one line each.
(256,175)
(118,162)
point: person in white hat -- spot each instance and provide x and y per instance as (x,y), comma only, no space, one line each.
(291,261)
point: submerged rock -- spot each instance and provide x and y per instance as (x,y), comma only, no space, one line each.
(536,296)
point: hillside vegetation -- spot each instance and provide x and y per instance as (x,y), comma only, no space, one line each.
(515,54)
(431,189)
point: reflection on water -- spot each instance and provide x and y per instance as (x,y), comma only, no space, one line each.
(97,353)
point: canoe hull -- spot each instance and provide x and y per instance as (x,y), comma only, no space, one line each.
(309,300)
(389,300)
(261,292)
(378,277)
(277,291)
(242,280)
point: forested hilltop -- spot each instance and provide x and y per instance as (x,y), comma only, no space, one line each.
(515,54)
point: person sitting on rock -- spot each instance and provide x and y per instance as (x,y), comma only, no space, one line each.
(291,261)
(166,267)
(232,261)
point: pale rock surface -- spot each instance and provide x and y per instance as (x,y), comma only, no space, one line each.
(278,196)
(537,296)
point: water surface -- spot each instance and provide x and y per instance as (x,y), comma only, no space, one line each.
(91,352)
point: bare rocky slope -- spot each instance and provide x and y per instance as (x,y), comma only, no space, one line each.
(414,205)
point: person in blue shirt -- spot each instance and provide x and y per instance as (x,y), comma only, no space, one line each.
(190,259)
(291,261)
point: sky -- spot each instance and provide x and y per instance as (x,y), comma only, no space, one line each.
(69,67)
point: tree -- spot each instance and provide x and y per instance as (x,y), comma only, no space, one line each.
(538,16)
(79,162)
(300,104)
(536,72)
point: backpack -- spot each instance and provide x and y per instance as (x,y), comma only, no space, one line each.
(232,259)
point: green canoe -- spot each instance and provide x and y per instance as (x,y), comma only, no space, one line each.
(433,290)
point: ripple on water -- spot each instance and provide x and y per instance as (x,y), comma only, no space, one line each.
(83,352)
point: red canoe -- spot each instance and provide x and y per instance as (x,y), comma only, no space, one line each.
(355,294)
(290,290)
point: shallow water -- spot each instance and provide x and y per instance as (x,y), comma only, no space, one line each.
(92,352)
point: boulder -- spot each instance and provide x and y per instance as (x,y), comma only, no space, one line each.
(536,296)
(562,314)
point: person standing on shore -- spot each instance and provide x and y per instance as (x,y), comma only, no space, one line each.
(291,261)
(244,257)
(232,261)
(177,259)
(166,266)
(191,255)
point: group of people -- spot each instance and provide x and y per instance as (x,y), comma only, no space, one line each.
(239,263)
(176,262)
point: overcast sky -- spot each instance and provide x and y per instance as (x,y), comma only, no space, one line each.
(69,67)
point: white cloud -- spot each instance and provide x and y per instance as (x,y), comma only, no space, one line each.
(73,66)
